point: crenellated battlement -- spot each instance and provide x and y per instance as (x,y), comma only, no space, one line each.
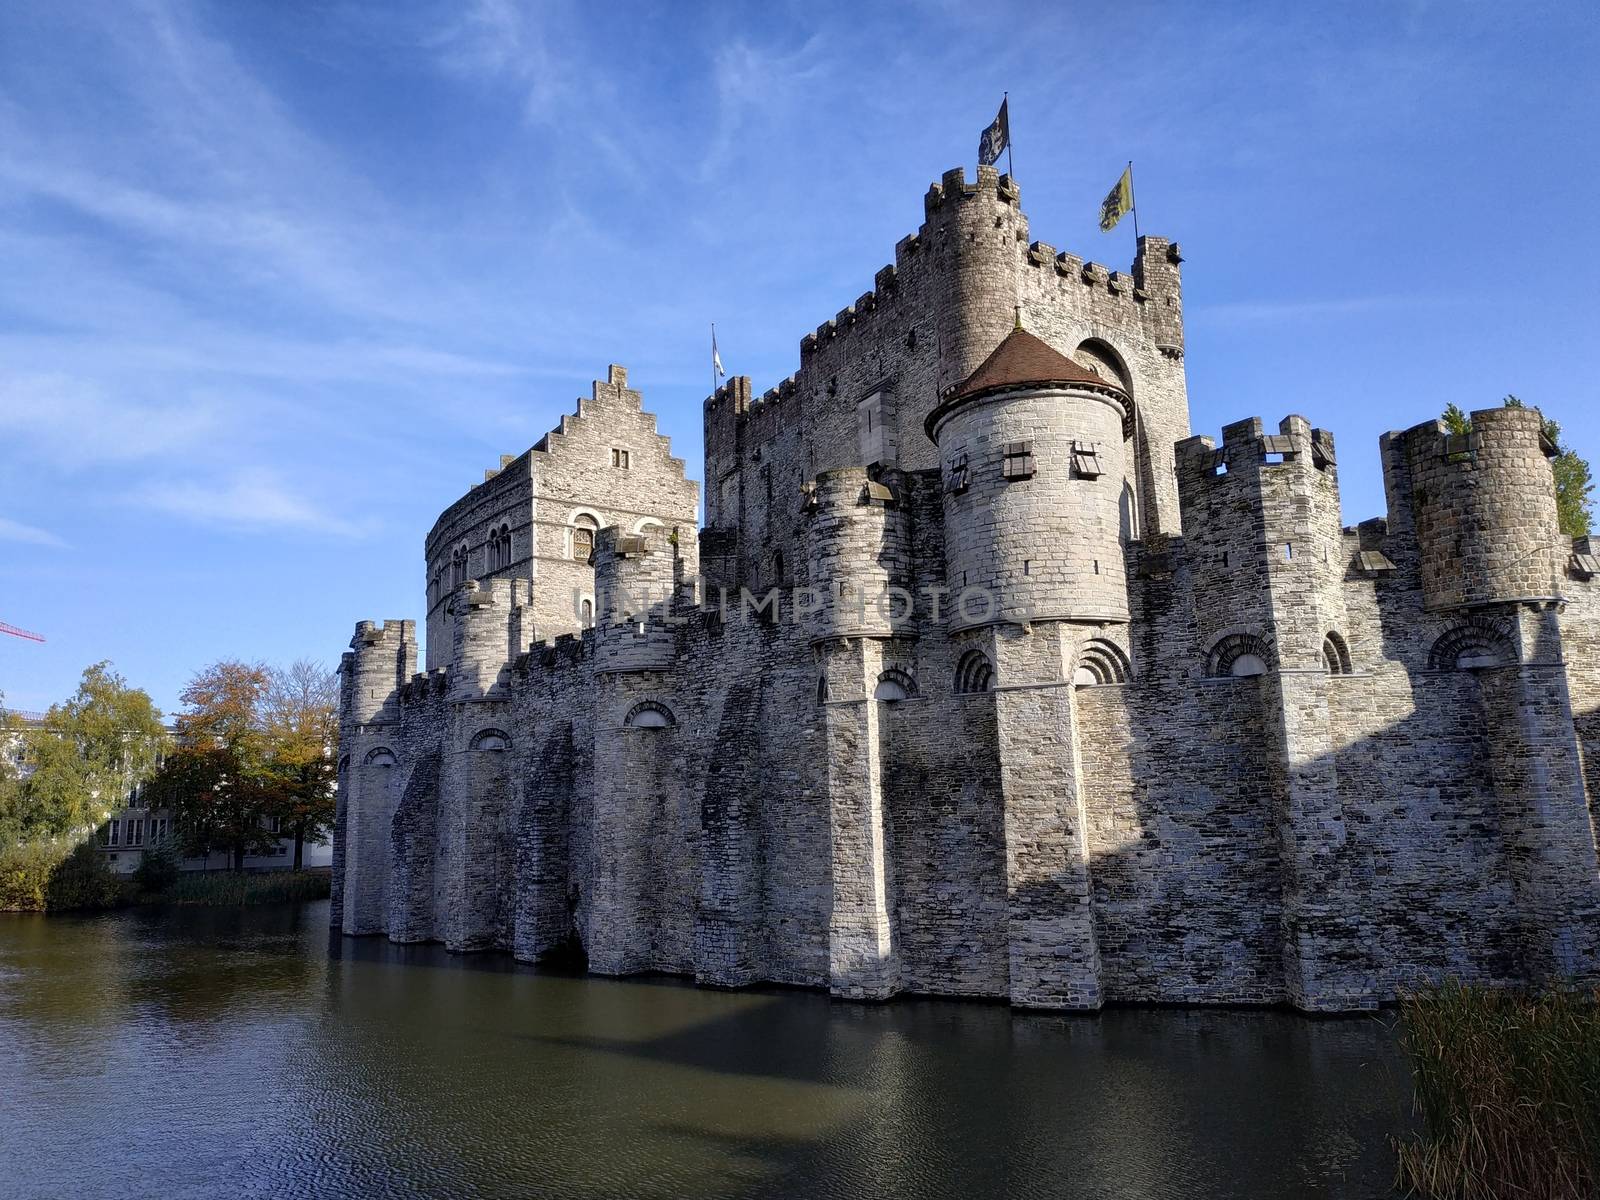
(1247,449)
(953,187)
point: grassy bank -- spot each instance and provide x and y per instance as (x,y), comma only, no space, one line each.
(57,877)
(264,887)
(1508,1089)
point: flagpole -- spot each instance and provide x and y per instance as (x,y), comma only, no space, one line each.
(1005,102)
(713,358)
(1133,203)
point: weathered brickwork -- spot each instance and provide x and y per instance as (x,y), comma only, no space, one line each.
(984,678)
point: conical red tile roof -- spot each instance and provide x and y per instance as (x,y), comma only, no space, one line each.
(1023,360)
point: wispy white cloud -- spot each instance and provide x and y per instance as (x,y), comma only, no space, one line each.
(504,40)
(74,423)
(251,500)
(16,531)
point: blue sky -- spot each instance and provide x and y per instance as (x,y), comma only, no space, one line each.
(278,281)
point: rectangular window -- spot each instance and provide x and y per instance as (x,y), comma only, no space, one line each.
(158,831)
(136,832)
(955,478)
(1086,460)
(619,458)
(1019,460)
(105,835)
(114,828)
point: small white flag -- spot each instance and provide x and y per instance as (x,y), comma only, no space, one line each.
(716,359)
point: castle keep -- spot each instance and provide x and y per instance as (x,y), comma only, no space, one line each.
(985,678)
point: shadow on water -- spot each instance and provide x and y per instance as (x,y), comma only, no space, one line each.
(233,1055)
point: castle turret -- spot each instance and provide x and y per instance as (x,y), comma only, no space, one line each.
(975,232)
(382,657)
(1484,510)
(636,580)
(380,660)
(859,555)
(491,626)
(1035,519)
(1261,524)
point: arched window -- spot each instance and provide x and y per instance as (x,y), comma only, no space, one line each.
(1238,654)
(1100,662)
(1335,654)
(498,549)
(777,566)
(974,673)
(648,714)
(822,689)
(583,531)
(1477,643)
(894,685)
(586,613)
(381,756)
(491,739)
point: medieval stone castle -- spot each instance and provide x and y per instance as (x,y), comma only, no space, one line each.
(984,678)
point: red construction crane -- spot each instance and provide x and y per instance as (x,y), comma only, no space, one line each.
(21,633)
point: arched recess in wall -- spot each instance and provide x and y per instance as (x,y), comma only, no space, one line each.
(649,714)
(1476,642)
(644,523)
(1100,662)
(344,763)
(582,525)
(1238,653)
(822,689)
(894,684)
(974,673)
(491,739)
(380,756)
(1102,358)
(1335,654)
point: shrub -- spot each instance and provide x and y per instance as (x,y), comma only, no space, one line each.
(1508,1088)
(84,880)
(157,871)
(25,874)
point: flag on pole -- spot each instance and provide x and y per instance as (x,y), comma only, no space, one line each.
(716,359)
(996,139)
(1119,203)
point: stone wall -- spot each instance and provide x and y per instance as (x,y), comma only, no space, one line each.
(1231,753)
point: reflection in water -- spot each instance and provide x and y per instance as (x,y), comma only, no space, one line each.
(224,1052)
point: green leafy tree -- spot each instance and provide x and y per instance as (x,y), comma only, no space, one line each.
(1573,480)
(217,783)
(87,755)
(301,721)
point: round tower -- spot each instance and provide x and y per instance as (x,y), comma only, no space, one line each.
(977,232)
(858,556)
(1032,449)
(382,658)
(1485,510)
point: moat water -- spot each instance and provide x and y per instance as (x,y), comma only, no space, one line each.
(206,1052)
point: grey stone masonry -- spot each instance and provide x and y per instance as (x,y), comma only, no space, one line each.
(1007,688)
